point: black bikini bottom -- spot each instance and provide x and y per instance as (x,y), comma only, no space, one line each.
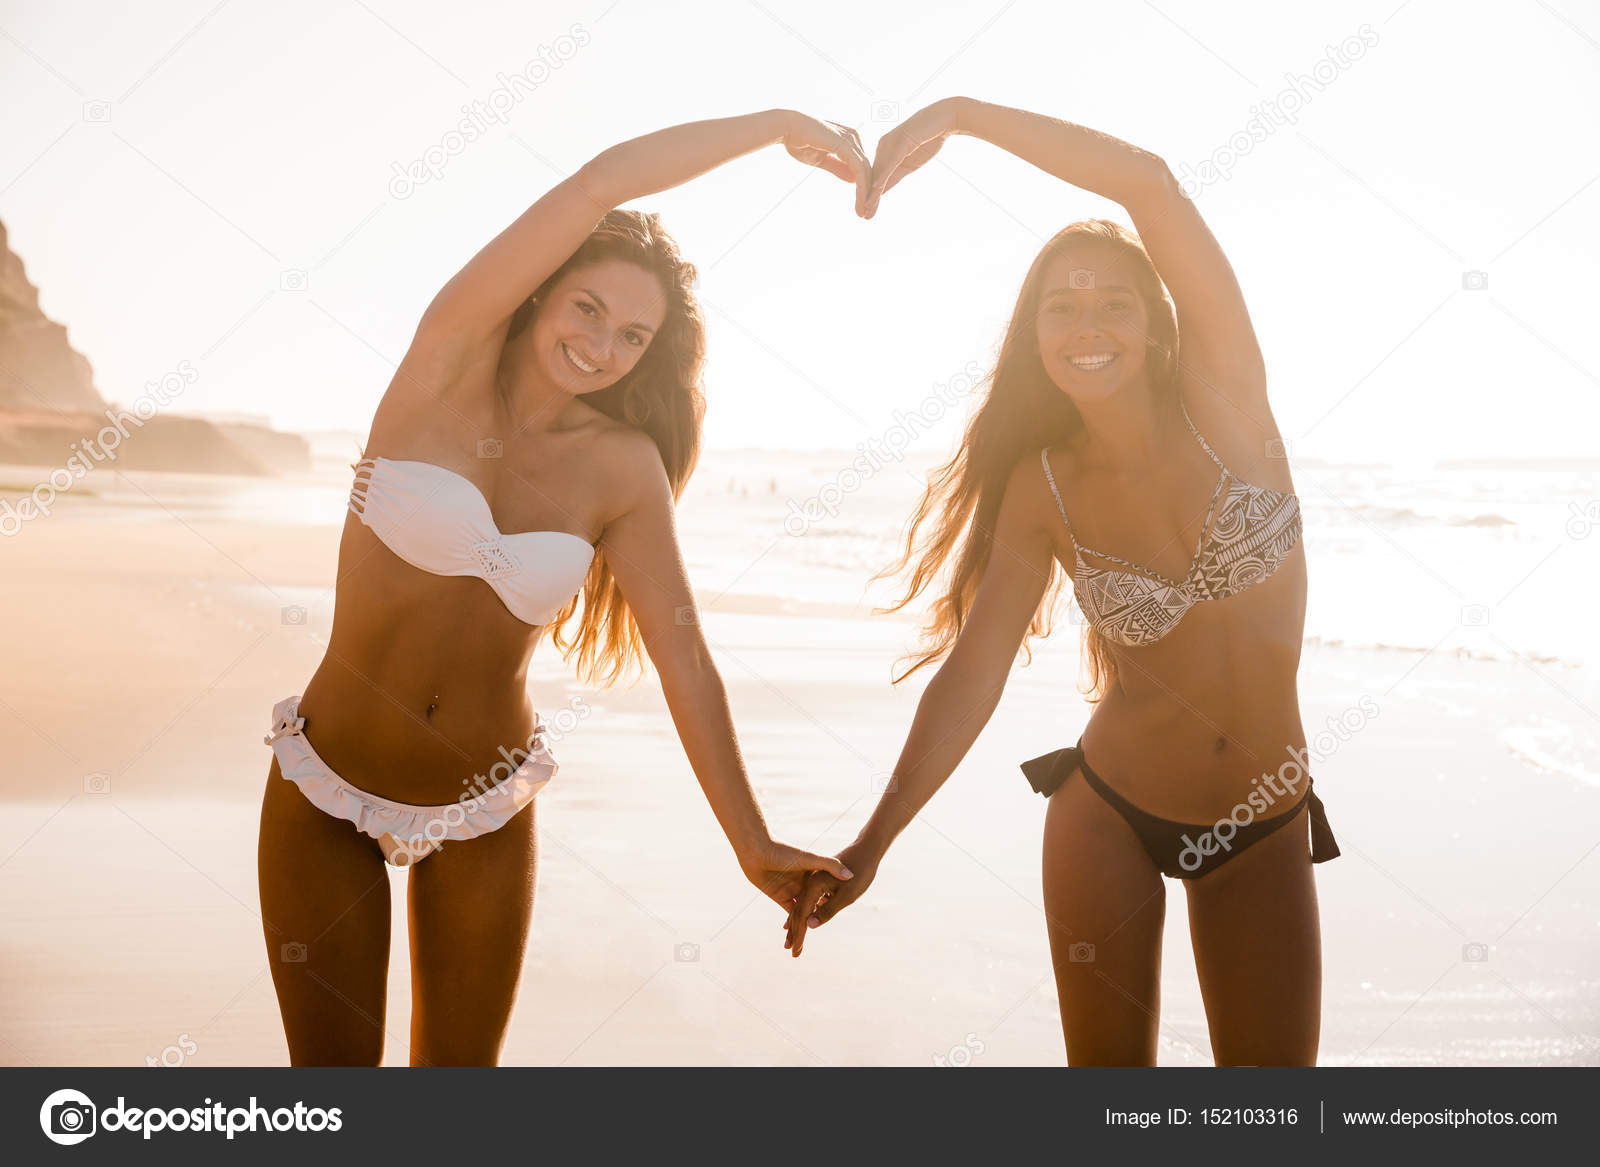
(1183,850)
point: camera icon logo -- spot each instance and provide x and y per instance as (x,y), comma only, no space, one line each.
(67,1117)
(1474,281)
(961,1055)
(294,614)
(1474,615)
(97,111)
(685,616)
(883,784)
(491,448)
(293,280)
(1081,953)
(1277,448)
(1080,278)
(293,952)
(97,783)
(885,111)
(686,953)
(1475,953)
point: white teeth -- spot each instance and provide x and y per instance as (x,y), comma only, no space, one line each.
(1092,363)
(578,361)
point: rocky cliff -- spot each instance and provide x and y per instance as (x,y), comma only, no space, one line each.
(38,368)
(49,406)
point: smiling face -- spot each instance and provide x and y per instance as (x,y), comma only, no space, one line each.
(1092,323)
(595,323)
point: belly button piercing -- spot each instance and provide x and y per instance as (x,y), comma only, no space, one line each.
(433,706)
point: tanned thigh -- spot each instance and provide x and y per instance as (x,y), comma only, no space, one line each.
(470,905)
(325,917)
(1105,904)
(1258,949)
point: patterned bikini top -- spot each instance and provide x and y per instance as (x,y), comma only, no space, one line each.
(1254,532)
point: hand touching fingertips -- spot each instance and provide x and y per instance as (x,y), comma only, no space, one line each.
(832,147)
(909,146)
(824,895)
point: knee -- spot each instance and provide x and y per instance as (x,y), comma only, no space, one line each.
(323,1052)
(454,1050)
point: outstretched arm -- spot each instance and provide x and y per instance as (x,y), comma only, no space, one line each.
(1218,342)
(484,293)
(641,547)
(960,699)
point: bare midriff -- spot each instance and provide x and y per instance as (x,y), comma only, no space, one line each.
(424,681)
(1192,718)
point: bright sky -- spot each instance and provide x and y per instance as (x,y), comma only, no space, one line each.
(167,171)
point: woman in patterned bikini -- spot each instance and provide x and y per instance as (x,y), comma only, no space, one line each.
(1096,409)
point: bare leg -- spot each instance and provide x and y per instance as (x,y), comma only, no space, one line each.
(1101,890)
(1258,950)
(325,916)
(470,906)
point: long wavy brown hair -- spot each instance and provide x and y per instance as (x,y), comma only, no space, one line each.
(952,530)
(661,395)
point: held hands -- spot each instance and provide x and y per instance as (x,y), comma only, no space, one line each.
(779,871)
(815,898)
(824,896)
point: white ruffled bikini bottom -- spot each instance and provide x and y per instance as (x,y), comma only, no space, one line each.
(407,834)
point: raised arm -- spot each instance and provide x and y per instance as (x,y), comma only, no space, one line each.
(960,699)
(1218,345)
(641,547)
(483,294)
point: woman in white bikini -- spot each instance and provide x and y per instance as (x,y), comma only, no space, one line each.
(530,449)
(1095,409)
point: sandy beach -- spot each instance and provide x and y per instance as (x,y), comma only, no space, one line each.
(146,642)
(238,240)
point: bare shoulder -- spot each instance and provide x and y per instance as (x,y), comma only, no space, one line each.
(1043,475)
(1024,541)
(624,448)
(1030,501)
(1045,482)
(628,461)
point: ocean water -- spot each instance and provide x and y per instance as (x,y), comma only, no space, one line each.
(1494,561)
(1490,561)
(1473,562)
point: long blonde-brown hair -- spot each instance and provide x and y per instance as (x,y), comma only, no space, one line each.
(1022,412)
(661,395)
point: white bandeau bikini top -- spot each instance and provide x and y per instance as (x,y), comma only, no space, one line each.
(438,521)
